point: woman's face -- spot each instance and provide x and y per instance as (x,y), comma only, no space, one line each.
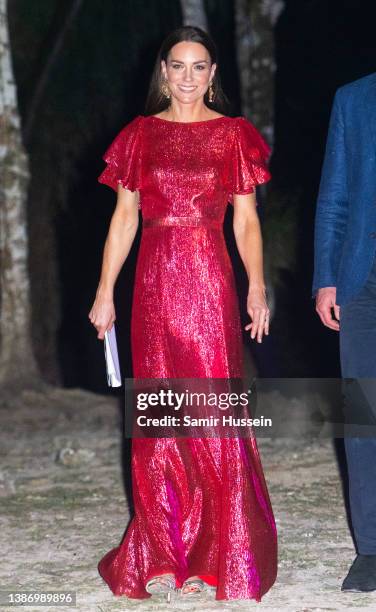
(188,71)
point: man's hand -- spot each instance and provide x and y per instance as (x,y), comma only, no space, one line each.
(325,301)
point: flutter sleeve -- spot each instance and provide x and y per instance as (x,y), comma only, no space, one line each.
(249,159)
(123,158)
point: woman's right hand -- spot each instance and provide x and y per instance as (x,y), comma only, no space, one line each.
(102,314)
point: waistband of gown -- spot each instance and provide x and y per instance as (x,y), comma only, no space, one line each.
(182,222)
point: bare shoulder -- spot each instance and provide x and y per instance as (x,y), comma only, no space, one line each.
(216,115)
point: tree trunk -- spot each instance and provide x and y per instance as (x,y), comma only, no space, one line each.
(194,13)
(243,35)
(255,20)
(17,363)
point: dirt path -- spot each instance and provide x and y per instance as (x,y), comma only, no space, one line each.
(63,506)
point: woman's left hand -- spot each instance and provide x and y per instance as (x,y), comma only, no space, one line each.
(259,312)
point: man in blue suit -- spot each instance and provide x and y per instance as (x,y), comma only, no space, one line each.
(345,284)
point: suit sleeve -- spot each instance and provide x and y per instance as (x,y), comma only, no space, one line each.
(332,203)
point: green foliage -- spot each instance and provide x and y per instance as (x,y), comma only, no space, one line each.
(280,233)
(98,81)
(29,35)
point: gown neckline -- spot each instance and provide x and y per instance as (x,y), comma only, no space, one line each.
(189,122)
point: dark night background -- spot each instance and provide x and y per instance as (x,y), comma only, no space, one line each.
(98,84)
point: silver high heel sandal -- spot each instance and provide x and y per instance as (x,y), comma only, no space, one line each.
(162,585)
(195,585)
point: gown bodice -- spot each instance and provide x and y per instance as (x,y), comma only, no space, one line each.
(186,169)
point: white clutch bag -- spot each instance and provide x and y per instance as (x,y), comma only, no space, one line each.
(112,358)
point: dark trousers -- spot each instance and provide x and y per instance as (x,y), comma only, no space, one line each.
(358,361)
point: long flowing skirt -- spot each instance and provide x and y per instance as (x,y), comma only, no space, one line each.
(201,504)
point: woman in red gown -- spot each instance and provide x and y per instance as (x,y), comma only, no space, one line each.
(202,511)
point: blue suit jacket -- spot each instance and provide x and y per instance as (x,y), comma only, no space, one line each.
(345,225)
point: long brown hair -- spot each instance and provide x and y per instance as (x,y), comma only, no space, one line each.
(156,102)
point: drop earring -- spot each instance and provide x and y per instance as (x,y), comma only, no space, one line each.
(165,90)
(211,93)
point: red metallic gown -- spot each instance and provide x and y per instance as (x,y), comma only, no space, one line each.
(201,504)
